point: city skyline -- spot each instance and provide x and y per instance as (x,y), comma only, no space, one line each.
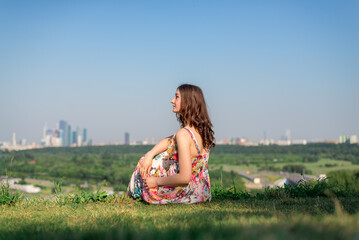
(62,135)
(114,67)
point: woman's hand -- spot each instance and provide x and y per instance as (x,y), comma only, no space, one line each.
(151,182)
(145,165)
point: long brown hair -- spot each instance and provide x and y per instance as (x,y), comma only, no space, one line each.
(193,112)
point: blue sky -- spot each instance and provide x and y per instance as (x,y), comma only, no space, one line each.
(113,66)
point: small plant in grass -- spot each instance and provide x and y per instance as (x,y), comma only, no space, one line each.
(7,197)
(82,197)
(57,187)
(231,193)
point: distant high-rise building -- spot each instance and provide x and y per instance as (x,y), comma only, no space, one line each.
(344,139)
(288,135)
(44,131)
(68,135)
(348,139)
(84,135)
(353,139)
(23,142)
(74,137)
(127,138)
(60,135)
(14,139)
(63,128)
(79,140)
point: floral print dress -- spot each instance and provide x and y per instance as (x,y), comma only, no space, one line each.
(166,164)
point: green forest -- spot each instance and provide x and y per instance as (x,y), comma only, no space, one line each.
(114,164)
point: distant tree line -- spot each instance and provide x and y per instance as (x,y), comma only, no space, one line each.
(115,164)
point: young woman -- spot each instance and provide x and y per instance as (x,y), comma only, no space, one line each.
(175,170)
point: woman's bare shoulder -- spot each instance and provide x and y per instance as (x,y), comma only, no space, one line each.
(183,134)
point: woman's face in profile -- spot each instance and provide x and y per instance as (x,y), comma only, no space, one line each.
(176,102)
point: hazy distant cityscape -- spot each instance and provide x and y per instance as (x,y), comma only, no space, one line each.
(62,135)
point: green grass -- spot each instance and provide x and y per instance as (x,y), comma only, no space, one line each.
(271,178)
(316,210)
(287,218)
(243,168)
(320,167)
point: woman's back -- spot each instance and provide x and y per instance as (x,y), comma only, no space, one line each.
(197,143)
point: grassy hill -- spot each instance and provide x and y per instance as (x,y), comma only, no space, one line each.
(283,218)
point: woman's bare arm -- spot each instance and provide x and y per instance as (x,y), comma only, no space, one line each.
(159,147)
(183,140)
(146,164)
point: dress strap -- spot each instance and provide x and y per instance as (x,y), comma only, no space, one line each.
(194,139)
